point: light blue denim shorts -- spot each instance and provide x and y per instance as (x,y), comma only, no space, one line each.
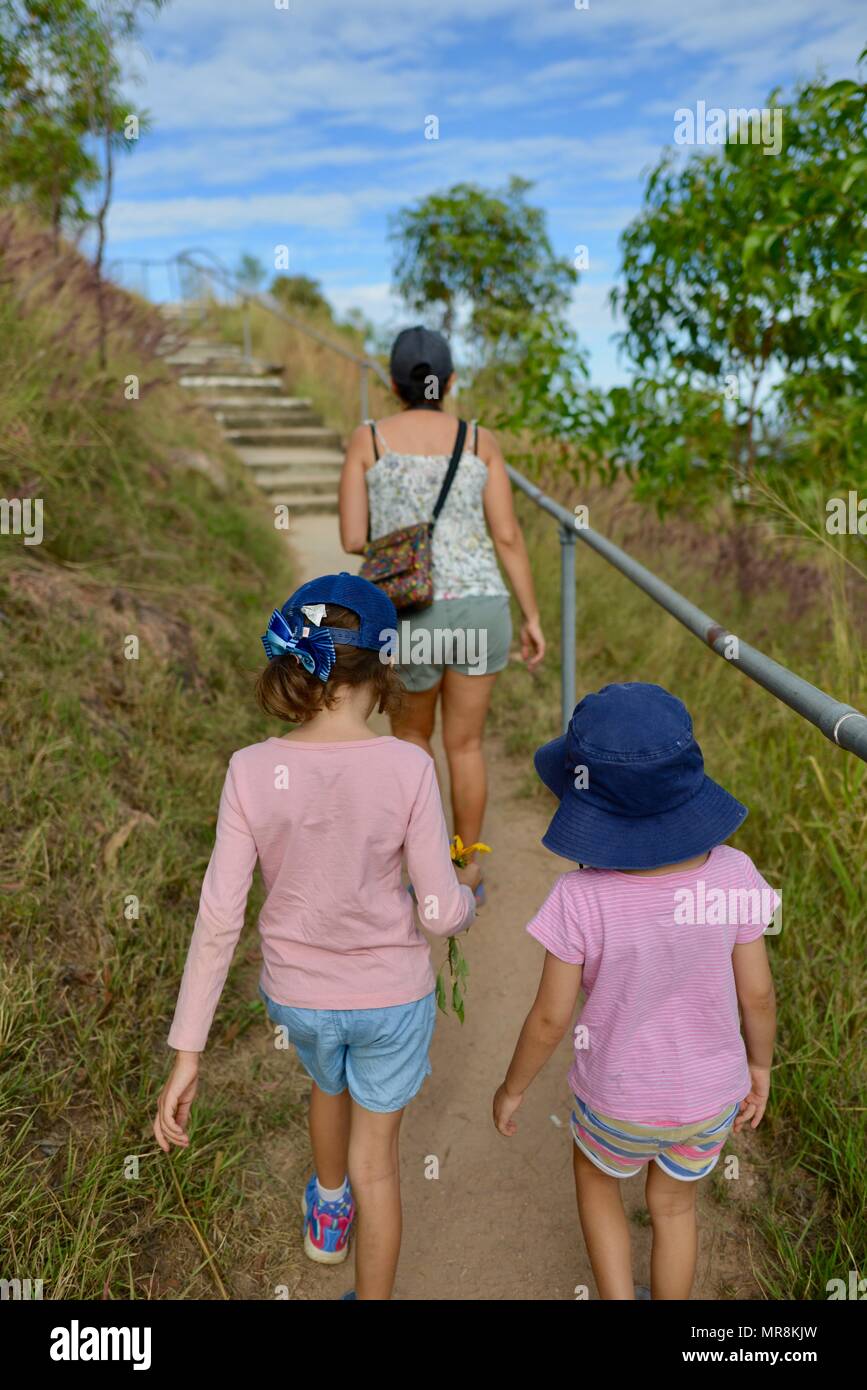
(379,1055)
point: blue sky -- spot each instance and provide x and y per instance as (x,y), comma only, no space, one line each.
(305,126)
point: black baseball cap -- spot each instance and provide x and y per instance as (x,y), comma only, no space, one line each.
(419,352)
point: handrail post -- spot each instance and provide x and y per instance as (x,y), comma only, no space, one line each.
(365,405)
(245,324)
(567,623)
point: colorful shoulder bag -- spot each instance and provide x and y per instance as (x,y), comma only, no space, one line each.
(401,563)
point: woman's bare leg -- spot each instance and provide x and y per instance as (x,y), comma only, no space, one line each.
(374,1171)
(417,716)
(466,700)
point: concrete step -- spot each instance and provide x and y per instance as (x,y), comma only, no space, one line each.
(296,480)
(246,402)
(293,456)
(264,415)
(213,345)
(218,363)
(256,405)
(189,352)
(312,502)
(307,457)
(258,385)
(210,366)
(290,435)
(306,461)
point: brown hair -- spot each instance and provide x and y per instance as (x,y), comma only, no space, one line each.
(287,691)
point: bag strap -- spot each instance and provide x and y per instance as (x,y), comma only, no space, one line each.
(372,424)
(455,459)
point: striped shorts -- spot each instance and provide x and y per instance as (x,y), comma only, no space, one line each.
(621,1148)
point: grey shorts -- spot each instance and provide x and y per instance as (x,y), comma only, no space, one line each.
(472,635)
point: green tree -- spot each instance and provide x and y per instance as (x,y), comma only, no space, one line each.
(481,261)
(45,53)
(62,113)
(745,307)
(250,272)
(300,292)
(110,122)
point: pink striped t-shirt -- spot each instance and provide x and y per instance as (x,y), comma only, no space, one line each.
(658,1040)
(329,824)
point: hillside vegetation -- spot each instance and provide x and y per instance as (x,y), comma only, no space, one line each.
(111,769)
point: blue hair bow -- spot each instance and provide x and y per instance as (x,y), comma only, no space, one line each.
(296,635)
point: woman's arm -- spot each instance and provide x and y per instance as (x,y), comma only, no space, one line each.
(541,1034)
(353,492)
(508,539)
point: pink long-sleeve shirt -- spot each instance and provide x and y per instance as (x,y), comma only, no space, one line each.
(330,824)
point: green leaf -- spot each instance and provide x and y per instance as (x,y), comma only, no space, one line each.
(857,170)
(441,994)
(844,87)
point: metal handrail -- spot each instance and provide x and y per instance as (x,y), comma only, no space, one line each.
(841,723)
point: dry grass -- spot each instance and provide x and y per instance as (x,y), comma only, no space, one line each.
(111,770)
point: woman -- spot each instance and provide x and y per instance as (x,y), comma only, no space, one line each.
(392,474)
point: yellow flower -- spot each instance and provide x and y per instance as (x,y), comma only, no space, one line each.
(460,851)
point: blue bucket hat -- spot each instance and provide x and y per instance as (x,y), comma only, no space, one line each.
(631,782)
(297,628)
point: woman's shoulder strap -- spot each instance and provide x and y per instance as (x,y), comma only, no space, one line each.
(373,435)
(474,426)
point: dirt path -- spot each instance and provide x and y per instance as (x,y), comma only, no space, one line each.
(499,1222)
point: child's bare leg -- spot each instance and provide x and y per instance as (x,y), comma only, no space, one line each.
(328,1122)
(675,1235)
(606,1233)
(374,1171)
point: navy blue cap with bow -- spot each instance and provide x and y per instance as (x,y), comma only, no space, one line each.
(293,633)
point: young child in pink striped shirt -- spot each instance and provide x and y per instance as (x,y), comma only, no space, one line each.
(663,928)
(330,812)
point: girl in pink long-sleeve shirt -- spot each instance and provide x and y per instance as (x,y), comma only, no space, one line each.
(330,812)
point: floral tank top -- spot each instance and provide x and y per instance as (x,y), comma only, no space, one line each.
(402,490)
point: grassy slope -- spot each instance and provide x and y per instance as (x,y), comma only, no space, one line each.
(806,831)
(111,770)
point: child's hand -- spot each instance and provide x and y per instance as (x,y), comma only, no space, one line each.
(471,875)
(753,1106)
(504,1109)
(176,1098)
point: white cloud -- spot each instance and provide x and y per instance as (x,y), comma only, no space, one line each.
(199,217)
(376,301)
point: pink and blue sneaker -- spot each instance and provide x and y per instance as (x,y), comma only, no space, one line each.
(326,1225)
